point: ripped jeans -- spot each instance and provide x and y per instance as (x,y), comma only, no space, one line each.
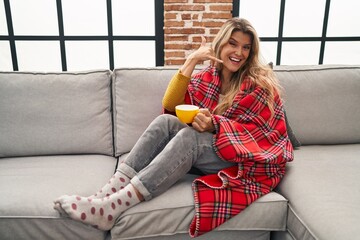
(165,152)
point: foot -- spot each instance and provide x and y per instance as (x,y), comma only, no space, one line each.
(61,211)
(100,213)
(117,182)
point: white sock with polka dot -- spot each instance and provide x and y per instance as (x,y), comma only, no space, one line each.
(100,213)
(117,181)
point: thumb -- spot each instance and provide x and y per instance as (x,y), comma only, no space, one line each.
(203,41)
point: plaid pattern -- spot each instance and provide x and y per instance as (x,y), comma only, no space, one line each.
(245,134)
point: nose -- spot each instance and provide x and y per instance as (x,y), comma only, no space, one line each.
(238,51)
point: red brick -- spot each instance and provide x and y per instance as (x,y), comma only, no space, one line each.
(170,16)
(175,1)
(172,38)
(208,24)
(212,1)
(183,7)
(174,24)
(214,31)
(184,46)
(186,16)
(184,31)
(217,15)
(197,39)
(173,54)
(220,8)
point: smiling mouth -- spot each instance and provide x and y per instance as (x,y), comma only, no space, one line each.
(237,60)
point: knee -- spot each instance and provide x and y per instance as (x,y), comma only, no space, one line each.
(167,122)
(165,119)
(187,132)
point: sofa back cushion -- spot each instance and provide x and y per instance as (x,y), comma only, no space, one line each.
(137,96)
(322,102)
(55,113)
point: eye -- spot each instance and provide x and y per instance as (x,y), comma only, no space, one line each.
(247,47)
(232,43)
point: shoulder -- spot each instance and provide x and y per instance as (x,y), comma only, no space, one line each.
(206,73)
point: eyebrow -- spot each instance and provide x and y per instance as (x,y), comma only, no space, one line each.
(246,44)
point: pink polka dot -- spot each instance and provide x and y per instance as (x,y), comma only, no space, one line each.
(110,217)
(122,179)
(119,201)
(127,204)
(113,205)
(121,187)
(89,199)
(83,216)
(129,194)
(73,206)
(113,189)
(107,194)
(93,210)
(78,198)
(101,211)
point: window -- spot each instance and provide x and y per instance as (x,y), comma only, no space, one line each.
(61,35)
(305,32)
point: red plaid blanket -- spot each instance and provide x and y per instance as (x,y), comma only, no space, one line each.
(247,134)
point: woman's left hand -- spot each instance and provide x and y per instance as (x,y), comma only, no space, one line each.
(203,122)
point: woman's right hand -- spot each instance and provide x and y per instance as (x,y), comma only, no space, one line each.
(203,53)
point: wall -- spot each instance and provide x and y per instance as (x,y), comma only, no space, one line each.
(185,21)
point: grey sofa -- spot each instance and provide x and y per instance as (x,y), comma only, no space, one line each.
(65,133)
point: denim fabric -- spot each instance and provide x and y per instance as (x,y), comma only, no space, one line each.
(165,152)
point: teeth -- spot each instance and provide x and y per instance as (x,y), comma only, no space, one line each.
(234,59)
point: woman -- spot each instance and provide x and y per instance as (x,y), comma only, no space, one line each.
(238,139)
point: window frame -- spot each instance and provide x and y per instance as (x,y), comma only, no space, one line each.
(110,37)
(280,38)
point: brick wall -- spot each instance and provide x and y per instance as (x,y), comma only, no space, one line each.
(185,21)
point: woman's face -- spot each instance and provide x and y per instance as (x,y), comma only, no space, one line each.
(235,53)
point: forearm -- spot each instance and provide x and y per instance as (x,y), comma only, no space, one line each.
(188,68)
(175,92)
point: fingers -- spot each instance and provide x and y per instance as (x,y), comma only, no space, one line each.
(211,57)
(214,61)
(202,121)
(203,41)
(205,111)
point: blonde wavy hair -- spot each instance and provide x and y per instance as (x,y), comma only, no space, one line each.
(259,73)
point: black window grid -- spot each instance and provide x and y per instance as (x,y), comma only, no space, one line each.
(61,38)
(280,39)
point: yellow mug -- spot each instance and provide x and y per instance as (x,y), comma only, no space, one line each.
(186,112)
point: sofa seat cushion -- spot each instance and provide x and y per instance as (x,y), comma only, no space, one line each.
(171,213)
(28,186)
(322,185)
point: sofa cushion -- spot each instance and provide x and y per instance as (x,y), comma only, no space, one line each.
(28,186)
(171,213)
(321,102)
(138,93)
(55,113)
(322,185)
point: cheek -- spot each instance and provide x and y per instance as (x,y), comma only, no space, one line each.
(222,56)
